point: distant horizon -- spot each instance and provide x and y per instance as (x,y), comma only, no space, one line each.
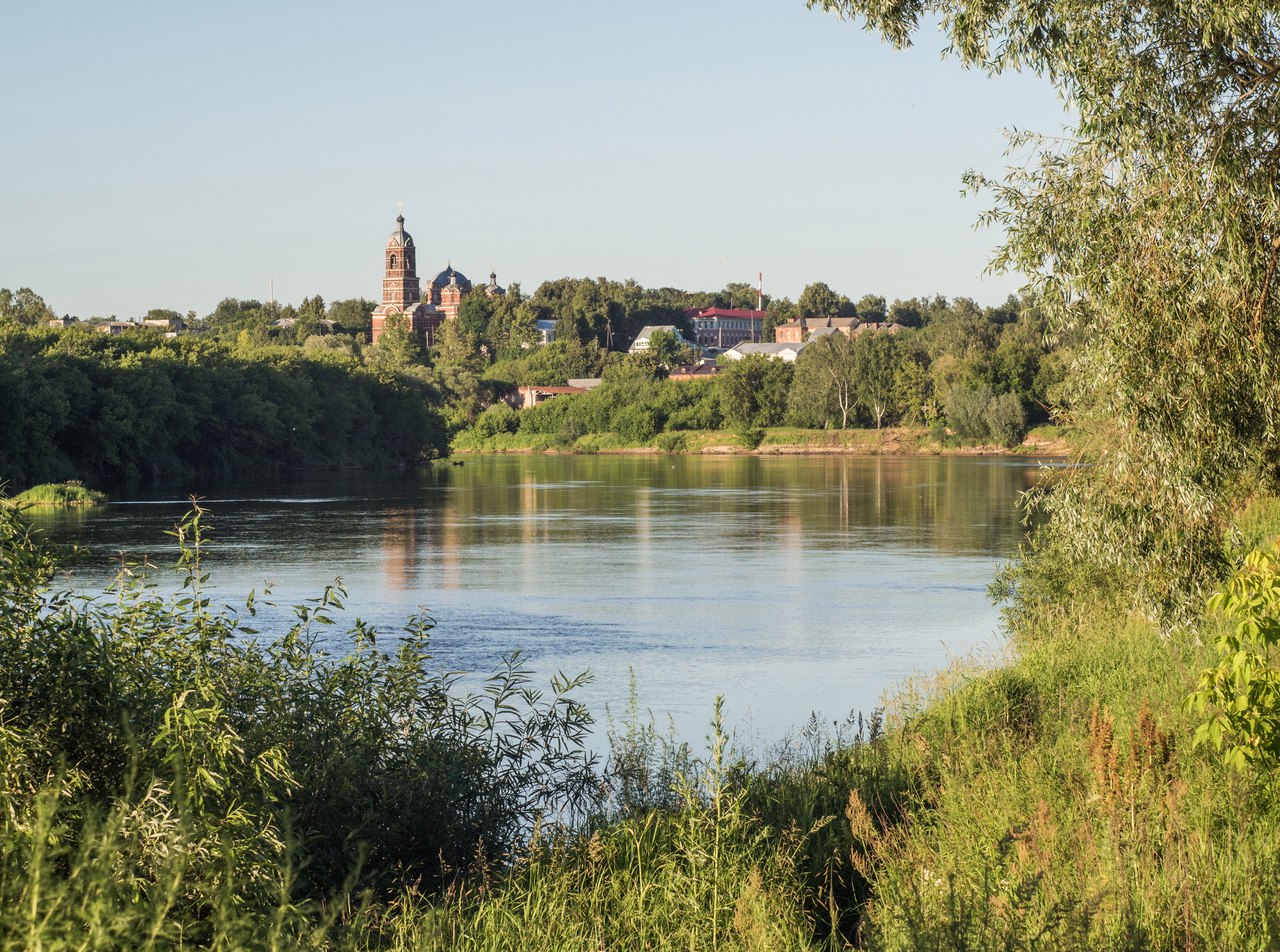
(526,289)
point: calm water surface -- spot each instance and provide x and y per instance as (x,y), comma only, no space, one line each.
(789,585)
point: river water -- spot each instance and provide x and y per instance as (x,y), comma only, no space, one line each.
(787,584)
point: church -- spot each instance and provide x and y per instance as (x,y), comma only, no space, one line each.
(402,296)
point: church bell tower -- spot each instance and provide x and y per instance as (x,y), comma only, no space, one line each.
(401,293)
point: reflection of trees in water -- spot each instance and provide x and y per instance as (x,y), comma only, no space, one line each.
(957,505)
(400,556)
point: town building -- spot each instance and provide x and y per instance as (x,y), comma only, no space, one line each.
(115,328)
(786,352)
(546,331)
(401,292)
(804,329)
(169,326)
(641,343)
(723,327)
(700,371)
(881,327)
(402,296)
(530,397)
(799,330)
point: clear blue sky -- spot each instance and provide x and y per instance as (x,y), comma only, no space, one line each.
(172,154)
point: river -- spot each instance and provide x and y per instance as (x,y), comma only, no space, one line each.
(788,584)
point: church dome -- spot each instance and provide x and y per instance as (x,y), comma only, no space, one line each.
(400,237)
(448,275)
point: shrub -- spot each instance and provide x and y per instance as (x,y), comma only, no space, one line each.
(672,442)
(1006,419)
(1241,694)
(367,770)
(499,418)
(966,409)
(66,495)
(635,423)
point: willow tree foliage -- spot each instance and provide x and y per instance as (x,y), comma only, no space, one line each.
(1155,225)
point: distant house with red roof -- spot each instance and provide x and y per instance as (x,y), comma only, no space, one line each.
(724,327)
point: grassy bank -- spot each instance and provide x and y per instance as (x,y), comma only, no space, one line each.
(165,780)
(1042,441)
(1053,802)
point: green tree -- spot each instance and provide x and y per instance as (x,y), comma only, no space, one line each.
(825,377)
(458,373)
(906,313)
(753,391)
(398,348)
(739,294)
(665,346)
(966,409)
(353,315)
(1156,223)
(818,300)
(875,359)
(24,307)
(871,308)
(474,315)
(780,311)
(912,387)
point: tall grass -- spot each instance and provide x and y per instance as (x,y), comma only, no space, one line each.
(168,776)
(166,781)
(68,495)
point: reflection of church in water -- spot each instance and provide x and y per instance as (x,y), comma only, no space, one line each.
(403,298)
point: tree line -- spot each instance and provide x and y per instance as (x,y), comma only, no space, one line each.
(262,386)
(978,374)
(84,405)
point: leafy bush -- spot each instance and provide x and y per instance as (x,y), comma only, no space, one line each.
(59,495)
(635,423)
(366,769)
(499,418)
(1006,419)
(966,408)
(1241,694)
(672,442)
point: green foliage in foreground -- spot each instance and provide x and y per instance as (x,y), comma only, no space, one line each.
(58,495)
(168,776)
(1241,694)
(1151,225)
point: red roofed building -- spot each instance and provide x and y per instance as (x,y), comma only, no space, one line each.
(725,326)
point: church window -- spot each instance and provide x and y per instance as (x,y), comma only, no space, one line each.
(393,262)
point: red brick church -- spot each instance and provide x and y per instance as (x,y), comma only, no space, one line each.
(402,297)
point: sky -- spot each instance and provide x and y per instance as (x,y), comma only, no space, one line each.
(168,155)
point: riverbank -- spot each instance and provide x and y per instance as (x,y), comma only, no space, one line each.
(1049,798)
(1045,441)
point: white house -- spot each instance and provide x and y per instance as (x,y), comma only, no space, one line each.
(784,352)
(546,332)
(641,343)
